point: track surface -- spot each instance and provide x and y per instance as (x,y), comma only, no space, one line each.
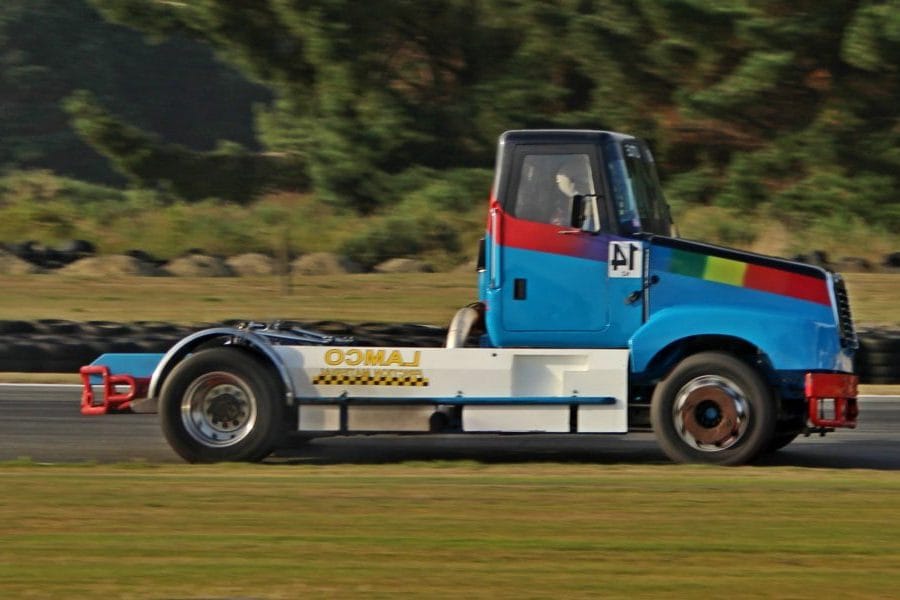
(42,422)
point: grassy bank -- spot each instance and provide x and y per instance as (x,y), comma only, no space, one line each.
(422,297)
(439,218)
(447,530)
(425,298)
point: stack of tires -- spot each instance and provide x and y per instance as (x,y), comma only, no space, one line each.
(62,346)
(878,358)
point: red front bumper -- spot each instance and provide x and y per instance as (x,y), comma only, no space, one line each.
(839,390)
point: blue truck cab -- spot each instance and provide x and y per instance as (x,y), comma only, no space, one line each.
(731,353)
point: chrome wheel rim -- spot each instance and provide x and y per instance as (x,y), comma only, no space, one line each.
(711,413)
(218,409)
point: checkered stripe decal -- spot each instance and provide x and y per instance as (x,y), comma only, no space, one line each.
(345,379)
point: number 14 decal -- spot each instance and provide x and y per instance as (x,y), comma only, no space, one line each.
(626,259)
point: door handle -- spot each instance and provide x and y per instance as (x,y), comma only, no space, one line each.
(638,294)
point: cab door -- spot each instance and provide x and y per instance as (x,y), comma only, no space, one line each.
(560,286)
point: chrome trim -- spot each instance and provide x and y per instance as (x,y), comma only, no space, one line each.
(219,409)
(721,401)
(460,327)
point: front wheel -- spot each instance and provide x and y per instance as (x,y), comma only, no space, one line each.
(222,404)
(713,408)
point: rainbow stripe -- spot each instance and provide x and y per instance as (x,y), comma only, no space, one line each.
(760,277)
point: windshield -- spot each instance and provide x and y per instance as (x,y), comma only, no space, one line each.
(635,190)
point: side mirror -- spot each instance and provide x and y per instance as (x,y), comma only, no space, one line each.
(585,213)
(577,219)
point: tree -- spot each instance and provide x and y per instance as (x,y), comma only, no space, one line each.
(229,172)
(50,48)
(746,102)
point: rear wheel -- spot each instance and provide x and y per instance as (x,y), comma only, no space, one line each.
(713,408)
(222,404)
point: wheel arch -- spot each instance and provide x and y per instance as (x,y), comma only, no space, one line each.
(786,388)
(790,342)
(665,359)
(221,336)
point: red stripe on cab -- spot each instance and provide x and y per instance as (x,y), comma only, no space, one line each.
(795,285)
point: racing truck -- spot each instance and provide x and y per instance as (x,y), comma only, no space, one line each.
(592,317)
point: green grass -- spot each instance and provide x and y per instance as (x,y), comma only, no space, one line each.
(447,530)
(424,298)
(874,298)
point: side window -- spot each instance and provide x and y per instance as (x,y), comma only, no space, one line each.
(547,183)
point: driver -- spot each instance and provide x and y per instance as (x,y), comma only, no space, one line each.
(572,177)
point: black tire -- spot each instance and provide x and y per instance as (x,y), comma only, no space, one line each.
(123,346)
(57,327)
(26,356)
(791,423)
(216,385)
(16,327)
(156,344)
(784,435)
(780,440)
(884,371)
(67,356)
(880,340)
(713,408)
(105,328)
(878,359)
(157,327)
(880,381)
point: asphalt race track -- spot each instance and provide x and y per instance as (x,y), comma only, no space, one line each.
(42,423)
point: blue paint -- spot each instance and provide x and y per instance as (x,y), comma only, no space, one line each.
(136,365)
(570,301)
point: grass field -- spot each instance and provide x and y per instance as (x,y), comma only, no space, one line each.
(424,530)
(447,530)
(421,297)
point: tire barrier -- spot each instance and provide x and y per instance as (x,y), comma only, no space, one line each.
(62,346)
(878,358)
(50,258)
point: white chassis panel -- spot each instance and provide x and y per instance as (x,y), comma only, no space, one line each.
(500,389)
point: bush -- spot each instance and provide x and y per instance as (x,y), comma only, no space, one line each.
(434,209)
(401,236)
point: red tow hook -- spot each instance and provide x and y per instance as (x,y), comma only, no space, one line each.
(841,388)
(113,401)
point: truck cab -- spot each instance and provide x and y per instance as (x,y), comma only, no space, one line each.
(549,281)
(580,253)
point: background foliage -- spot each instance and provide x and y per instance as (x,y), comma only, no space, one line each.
(782,109)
